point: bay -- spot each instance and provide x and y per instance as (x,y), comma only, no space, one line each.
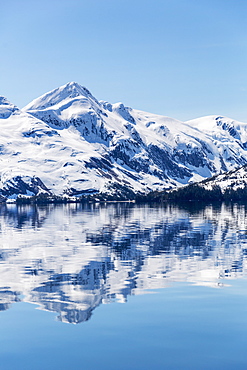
(123,286)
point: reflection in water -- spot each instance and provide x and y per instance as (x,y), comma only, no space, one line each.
(71,258)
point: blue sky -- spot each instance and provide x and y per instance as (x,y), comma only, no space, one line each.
(183,59)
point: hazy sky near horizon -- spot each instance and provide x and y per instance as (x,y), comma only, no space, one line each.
(179,58)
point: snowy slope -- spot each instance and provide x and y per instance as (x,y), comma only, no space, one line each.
(231,180)
(229,136)
(68,142)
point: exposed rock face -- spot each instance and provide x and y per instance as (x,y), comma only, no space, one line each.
(25,186)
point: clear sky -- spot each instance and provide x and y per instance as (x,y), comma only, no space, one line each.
(180,58)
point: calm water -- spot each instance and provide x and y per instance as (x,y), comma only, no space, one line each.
(65,272)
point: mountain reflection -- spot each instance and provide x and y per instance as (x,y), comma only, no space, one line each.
(71,258)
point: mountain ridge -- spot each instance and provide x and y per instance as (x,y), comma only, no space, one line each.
(74,145)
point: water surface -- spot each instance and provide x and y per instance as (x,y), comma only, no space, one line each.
(179,269)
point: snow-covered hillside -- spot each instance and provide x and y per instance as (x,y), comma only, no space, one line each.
(68,143)
(232,180)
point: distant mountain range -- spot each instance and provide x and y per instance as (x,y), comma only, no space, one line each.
(67,144)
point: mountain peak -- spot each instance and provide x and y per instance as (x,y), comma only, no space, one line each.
(6,108)
(70,90)
(74,89)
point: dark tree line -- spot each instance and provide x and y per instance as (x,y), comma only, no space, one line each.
(196,192)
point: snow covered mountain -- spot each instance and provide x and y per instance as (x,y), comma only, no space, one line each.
(228,186)
(66,142)
(235,180)
(231,185)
